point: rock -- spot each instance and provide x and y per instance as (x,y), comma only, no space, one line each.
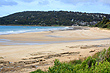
(80,55)
(24,59)
(92,51)
(34,66)
(1,62)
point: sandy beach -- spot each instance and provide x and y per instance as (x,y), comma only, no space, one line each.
(65,45)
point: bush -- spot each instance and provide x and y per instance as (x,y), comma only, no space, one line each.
(38,71)
(61,67)
(99,63)
(108,55)
(102,67)
(76,62)
(88,62)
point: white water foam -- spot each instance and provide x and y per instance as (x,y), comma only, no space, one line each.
(37,29)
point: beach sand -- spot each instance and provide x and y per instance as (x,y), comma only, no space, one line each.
(34,57)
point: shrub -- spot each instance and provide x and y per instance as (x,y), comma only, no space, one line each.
(38,71)
(61,67)
(99,63)
(108,55)
(76,62)
(88,62)
(102,67)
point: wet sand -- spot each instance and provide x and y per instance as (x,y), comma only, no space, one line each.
(46,37)
(33,57)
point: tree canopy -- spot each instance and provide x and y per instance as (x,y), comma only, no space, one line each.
(49,18)
(105,23)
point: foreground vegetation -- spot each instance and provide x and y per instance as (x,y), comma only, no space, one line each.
(98,63)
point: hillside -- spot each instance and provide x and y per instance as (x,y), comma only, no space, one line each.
(105,23)
(48,18)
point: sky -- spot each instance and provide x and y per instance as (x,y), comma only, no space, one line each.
(90,6)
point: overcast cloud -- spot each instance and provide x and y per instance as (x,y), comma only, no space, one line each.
(85,1)
(12,6)
(7,3)
(27,1)
(43,2)
(74,2)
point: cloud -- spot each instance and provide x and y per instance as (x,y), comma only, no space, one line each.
(36,2)
(7,3)
(101,6)
(44,2)
(106,2)
(74,2)
(40,2)
(28,1)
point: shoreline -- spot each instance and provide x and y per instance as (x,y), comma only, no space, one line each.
(62,29)
(27,29)
(77,33)
(8,42)
(27,58)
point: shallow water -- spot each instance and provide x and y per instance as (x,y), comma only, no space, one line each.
(4,30)
(9,42)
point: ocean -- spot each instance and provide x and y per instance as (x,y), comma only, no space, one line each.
(4,30)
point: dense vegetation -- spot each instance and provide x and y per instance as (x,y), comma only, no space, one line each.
(48,18)
(105,23)
(99,63)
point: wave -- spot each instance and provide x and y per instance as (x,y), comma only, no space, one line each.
(31,30)
(15,32)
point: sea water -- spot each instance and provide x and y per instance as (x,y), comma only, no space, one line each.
(4,30)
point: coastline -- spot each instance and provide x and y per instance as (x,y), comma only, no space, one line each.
(44,55)
(52,36)
(8,42)
(5,30)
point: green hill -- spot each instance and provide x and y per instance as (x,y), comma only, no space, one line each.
(48,18)
(105,23)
